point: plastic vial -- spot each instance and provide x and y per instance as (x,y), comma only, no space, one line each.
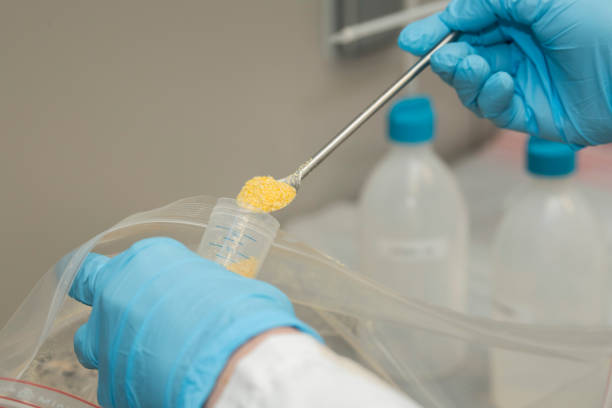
(414,232)
(238,238)
(549,266)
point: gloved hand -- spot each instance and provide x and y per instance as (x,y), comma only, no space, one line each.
(165,321)
(541,67)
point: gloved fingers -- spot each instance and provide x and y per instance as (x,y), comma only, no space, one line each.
(499,102)
(496,96)
(445,61)
(471,74)
(421,36)
(477,15)
(84,347)
(459,65)
(83,287)
(490,36)
(501,57)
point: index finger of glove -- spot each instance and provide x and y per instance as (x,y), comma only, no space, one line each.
(421,36)
(84,286)
(476,15)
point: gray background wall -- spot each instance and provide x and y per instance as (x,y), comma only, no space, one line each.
(108,108)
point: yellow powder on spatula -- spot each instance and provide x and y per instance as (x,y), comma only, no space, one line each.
(265,194)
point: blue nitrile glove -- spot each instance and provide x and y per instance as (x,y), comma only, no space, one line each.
(538,66)
(165,321)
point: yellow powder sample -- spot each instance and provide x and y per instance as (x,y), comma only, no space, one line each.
(265,194)
(246,267)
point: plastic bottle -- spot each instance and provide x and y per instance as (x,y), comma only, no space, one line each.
(414,232)
(549,268)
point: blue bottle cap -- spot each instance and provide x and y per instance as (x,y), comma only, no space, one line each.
(550,159)
(411,120)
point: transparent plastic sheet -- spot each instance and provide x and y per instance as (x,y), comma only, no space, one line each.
(343,305)
(23,394)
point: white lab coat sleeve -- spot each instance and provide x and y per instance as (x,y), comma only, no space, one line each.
(295,371)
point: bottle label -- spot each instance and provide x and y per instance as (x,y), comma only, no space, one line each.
(416,250)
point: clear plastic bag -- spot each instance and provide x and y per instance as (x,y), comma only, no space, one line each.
(337,301)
